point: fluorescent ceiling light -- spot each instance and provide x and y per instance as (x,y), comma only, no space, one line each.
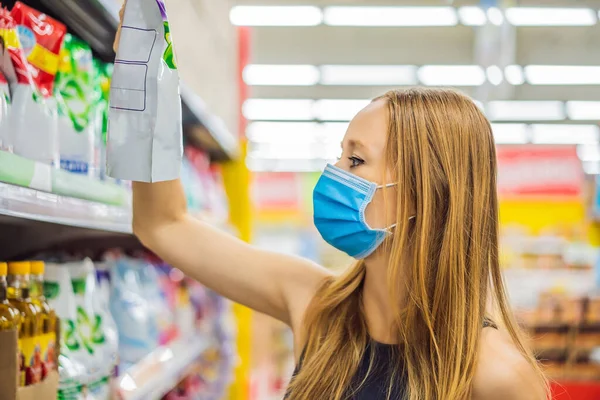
(472,16)
(451,75)
(514,74)
(278,109)
(276,16)
(495,16)
(390,16)
(286,132)
(281,75)
(338,110)
(494,75)
(589,152)
(564,134)
(292,151)
(543,16)
(368,75)
(583,110)
(591,168)
(276,165)
(525,110)
(296,132)
(334,132)
(562,75)
(510,133)
(295,151)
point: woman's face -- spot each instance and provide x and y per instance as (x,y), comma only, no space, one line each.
(363,154)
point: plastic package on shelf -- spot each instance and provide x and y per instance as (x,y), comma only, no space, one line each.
(96,328)
(6,143)
(32,117)
(145,123)
(77,97)
(88,333)
(102,76)
(132,311)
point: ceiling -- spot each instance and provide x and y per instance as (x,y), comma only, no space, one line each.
(312,72)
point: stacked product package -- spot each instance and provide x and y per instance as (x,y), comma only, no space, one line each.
(115,312)
(53,94)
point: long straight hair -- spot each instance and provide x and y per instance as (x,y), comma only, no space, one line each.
(441,148)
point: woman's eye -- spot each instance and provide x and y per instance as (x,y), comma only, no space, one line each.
(355,161)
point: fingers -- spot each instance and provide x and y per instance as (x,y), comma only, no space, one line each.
(118,35)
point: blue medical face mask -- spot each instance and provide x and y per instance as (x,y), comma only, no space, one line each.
(339,201)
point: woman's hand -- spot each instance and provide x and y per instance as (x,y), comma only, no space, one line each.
(272,283)
(275,284)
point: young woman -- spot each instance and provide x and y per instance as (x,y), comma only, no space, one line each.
(423,314)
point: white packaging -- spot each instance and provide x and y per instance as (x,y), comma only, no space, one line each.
(144,127)
(33,124)
(132,311)
(97,335)
(5,133)
(73,358)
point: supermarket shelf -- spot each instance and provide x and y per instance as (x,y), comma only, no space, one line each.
(161,370)
(42,208)
(33,221)
(34,205)
(95,21)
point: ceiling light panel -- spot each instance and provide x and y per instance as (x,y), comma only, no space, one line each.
(545,16)
(281,75)
(390,16)
(369,75)
(295,151)
(338,110)
(514,74)
(510,133)
(564,134)
(286,132)
(583,110)
(589,152)
(451,75)
(525,111)
(494,75)
(276,16)
(278,109)
(591,167)
(277,165)
(495,16)
(562,74)
(296,132)
(472,16)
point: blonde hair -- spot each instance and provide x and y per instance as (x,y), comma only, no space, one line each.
(441,148)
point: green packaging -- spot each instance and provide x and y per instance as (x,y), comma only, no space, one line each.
(77,99)
(102,75)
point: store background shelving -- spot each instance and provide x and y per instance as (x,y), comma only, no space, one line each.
(48,210)
(161,370)
(80,206)
(96,23)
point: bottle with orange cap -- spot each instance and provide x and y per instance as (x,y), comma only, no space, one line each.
(29,332)
(10,317)
(47,317)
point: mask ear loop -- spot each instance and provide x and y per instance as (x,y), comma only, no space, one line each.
(386,185)
(389,228)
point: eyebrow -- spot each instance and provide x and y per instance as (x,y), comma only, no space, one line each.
(355,143)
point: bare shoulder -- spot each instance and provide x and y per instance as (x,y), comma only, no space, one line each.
(503,373)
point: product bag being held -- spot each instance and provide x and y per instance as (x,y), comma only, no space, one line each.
(144,127)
